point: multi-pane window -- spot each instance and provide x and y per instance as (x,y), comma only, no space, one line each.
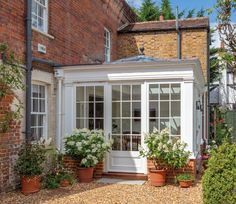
(38,112)
(40,15)
(164,108)
(107,45)
(126,117)
(90,107)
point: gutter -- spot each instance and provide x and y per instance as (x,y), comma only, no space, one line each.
(44,61)
(28,70)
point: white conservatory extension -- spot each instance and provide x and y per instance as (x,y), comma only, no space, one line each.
(128,98)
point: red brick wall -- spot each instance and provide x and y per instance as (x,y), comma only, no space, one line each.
(9,146)
(77,28)
(72,164)
(190,168)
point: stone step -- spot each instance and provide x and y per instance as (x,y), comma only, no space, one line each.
(128,176)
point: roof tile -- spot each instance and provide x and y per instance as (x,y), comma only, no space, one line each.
(188,23)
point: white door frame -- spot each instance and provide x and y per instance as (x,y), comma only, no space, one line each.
(108,118)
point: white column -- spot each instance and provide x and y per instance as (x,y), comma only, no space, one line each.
(144,120)
(59,75)
(187,113)
(59,112)
(69,109)
(107,119)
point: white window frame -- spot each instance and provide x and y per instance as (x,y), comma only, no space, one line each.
(45,16)
(181,108)
(86,117)
(107,45)
(45,113)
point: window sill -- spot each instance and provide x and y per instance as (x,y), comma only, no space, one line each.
(43,33)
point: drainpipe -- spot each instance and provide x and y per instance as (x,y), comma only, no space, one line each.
(28,70)
(59,75)
(178,34)
(59,119)
(208,85)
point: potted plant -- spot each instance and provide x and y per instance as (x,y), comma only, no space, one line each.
(158,145)
(177,157)
(29,166)
(185,180)
(66,179)
(88,148)
(55,172)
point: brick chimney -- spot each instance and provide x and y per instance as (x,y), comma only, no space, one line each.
(161,18)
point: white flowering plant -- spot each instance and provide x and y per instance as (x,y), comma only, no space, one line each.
(88,147)
(164,151)
(212,146)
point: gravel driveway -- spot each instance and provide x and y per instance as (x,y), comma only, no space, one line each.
(112,194)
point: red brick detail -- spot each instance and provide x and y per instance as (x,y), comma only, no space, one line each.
(190,168)
(77,28)
(10,143)
(72,164)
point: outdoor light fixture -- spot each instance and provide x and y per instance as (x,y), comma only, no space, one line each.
(198,105)
(201,108)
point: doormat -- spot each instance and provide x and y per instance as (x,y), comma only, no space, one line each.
(120,181)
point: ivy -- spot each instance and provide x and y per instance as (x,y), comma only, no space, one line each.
(11,75)
(11,79)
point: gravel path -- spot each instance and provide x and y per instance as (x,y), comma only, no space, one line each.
(112,194)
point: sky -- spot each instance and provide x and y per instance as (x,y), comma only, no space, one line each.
(188,4)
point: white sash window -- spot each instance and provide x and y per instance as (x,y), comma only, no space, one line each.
(39,111)
(40,15)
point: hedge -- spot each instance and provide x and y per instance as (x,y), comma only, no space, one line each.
(219,180)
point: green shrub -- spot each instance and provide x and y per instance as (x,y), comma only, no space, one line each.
(161,149)
(185,177)
(30,160)
(52,181)
(67,176)
(88,147)
(219,180)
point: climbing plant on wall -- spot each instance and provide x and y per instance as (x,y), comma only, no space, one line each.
(11,80)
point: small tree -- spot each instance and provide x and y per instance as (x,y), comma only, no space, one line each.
(227,30)
(148,11)
(167,10)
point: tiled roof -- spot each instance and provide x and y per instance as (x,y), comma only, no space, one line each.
(188,23)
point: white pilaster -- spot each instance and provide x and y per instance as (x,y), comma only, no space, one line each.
(187,113)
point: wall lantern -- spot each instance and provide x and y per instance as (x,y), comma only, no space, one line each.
(198,105)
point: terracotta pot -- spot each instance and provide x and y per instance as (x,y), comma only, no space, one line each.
(158,177)
(64,183)
(30,184)
(185,184)
(85,175)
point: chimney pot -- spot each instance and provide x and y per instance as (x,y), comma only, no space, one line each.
(161,18)
(222,44)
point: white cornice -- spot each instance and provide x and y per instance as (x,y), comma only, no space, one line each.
(185,70)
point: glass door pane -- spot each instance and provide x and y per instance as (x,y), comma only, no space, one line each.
(126,117)
(90,107)
(165,108)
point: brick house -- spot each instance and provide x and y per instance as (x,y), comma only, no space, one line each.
(86,54)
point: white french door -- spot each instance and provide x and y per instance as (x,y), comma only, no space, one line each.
(126,112)
(126,129)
